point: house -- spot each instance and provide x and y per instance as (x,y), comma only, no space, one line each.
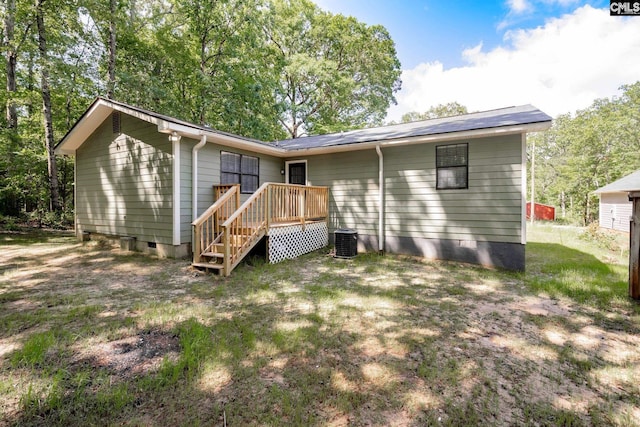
(450,188)
(542,211)
(615,207)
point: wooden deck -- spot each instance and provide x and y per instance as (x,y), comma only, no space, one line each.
(226,232)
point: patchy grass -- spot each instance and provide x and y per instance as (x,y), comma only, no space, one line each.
(561,261)
(90,335)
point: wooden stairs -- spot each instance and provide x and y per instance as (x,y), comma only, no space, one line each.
(214,257)
(226,232)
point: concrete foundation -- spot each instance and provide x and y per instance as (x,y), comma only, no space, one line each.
(510,256)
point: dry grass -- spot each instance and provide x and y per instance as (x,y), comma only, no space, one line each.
(89,335)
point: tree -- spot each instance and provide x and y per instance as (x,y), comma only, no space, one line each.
(588,150)
(440,110)
(229,82)
(11,60)
(336,73)
(46,107)
(113,17)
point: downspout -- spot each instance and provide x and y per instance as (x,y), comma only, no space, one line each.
(380,200)
(194,176)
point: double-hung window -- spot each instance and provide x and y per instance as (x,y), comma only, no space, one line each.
(240,169)
(452,166)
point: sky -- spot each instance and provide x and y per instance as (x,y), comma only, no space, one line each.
(559,55)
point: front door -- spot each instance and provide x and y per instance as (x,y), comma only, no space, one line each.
(297,172)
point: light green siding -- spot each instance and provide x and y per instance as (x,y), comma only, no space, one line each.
(352,179)
(186,145)
(489,210)
(124,182)
(209,172)
(209,175)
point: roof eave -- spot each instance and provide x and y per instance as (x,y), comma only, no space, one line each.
(221,138)
(102,108)
(614,191)
(96,113)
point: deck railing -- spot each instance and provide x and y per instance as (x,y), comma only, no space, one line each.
(244,227)
(207,229)
(298,203)
(271,204)
(220,189)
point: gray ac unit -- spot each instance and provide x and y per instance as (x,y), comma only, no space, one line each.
(346,243)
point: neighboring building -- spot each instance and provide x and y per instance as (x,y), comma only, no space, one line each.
(542,212)
(449,188)
(615,207)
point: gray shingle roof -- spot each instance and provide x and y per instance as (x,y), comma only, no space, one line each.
(521,115)
(182,122)
(628,183)
(512,116)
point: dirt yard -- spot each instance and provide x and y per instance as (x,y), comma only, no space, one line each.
(91,335)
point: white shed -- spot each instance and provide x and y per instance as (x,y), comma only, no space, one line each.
(615,207)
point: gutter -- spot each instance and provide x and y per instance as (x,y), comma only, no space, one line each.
(380,200)
(194,176)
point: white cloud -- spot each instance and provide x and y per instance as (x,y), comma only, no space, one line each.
(518,6)
(560,67)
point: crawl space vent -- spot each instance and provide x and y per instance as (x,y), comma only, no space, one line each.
(115,122)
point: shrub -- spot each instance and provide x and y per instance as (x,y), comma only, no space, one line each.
(8,223)
(593,233)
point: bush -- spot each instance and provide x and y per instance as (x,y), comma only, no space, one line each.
(56,220)
(8,223)
(592,233)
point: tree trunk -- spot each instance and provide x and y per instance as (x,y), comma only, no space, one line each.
(586,210)
(11,60)
(46,110)
(111,84)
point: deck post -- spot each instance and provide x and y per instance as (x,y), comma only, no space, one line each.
(268,207)
(302,202)
(634,247)
(196,244)
(227,251)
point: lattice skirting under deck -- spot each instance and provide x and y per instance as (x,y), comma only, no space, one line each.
(295,240)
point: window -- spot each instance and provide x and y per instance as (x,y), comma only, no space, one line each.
(240,169)
(452,166)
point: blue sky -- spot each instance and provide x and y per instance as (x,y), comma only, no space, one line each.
(559,55)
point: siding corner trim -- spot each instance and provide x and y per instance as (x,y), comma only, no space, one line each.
(175,148)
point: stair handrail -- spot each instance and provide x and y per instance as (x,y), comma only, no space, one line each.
(245,224)
(206,227)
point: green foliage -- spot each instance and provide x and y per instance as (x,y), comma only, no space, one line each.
(435,112)
(8,223)
(567,263)
(585,151)
(335,73)
(266,69)
(594,234)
